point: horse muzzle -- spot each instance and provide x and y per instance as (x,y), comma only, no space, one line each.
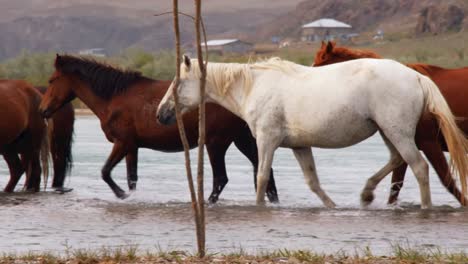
(166,116)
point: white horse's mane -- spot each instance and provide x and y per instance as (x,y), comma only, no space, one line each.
(223,75)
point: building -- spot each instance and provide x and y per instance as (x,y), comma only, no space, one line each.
(326,29)
(98,52)
(223,46)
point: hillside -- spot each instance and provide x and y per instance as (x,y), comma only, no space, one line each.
(393,16)
(69,26)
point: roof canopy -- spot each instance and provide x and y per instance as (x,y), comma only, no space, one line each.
(326,23)
(220,42)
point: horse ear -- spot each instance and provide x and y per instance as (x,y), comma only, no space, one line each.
(187,61)
(323,44)
(330,46)
(57,58)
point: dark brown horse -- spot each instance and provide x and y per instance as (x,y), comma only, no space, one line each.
(61,140)
(453,83)
(23,132)
(125,102)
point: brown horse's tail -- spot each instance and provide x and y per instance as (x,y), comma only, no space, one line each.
(45,152)
(455,139)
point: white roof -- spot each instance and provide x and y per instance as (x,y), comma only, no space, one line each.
(326,23)
(220,42)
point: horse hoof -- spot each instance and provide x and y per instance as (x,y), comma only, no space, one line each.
(261,202)
(213,199)
(122,195)
(132,186)
(273,197)
(62,190)
(330,204)
(426,206)
(367,198)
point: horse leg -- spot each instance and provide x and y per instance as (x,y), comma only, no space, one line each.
(217,153)
(132,167)
(398,177)
(248,147)
(59,167)
(367,194)
(407,149)
(435,155)
(306,161)
(16,170)
(266,149)
(117,154)
(33,182)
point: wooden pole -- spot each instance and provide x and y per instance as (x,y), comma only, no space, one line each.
(183,137)
(201,128)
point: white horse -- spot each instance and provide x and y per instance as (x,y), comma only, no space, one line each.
(289,105)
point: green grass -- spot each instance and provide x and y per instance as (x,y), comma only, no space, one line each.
(131,254)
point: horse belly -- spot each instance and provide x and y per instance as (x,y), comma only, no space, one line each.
(13,121)
(330,134)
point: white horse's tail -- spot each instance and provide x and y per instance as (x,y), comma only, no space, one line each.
(455,139)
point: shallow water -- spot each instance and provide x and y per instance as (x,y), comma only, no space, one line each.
(158,214)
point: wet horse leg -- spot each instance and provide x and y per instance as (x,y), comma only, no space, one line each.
(435,155)
(33,182)
(132,168)
(216,153)
(16,170)
(248,147)
(404,145)
(398,177)
(367,194)
(117,154)
(59,167)
(266,149)
(306,161)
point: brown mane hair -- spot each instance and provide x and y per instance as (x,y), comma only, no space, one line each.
(105,80)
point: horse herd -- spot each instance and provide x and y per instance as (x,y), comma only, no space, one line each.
(259,106)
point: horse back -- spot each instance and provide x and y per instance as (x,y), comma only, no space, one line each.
(18,109)
(453,84)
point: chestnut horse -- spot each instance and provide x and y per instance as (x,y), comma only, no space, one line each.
(453,84)
(125,103)
(61,140)
(23,131)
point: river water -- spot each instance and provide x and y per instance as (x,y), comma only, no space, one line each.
(158,214)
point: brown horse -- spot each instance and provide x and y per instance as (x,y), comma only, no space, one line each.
(23,131)
(125,102)
(61,140)
(453,85)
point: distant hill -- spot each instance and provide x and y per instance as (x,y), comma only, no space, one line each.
(393,16)
(69,26)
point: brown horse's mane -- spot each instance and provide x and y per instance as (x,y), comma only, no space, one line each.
(104,80)
(355,53)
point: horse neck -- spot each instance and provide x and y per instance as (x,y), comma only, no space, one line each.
(96,104)
(354,55)
(233,99)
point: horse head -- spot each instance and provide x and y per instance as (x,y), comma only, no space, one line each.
(59,92)
(329,54)
(326,54)
(187,89)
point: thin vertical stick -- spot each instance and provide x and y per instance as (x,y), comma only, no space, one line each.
(201,129)
(180,124)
